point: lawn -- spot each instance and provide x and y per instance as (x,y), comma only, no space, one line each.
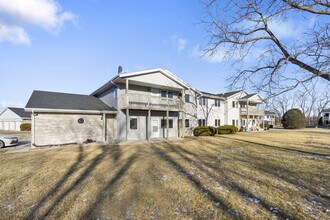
(266,175)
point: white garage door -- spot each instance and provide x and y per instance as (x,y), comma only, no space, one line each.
(12,126)
(6,125)
(18,126)
(1,125)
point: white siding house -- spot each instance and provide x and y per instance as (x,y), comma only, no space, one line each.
(12,118)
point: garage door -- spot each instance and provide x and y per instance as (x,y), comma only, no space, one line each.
(18,126)
(12,126)
(1,125)
(6,125)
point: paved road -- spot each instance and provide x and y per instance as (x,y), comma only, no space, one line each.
(24,143)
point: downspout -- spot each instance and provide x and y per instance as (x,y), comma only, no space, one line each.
(32,131)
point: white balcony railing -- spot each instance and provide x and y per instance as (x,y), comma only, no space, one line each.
(252,110)
(139,101)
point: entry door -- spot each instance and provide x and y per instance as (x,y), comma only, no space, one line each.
(155,128)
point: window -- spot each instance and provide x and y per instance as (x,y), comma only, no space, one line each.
(201,122)
(170,123)
(236,122)
(168,94)
(217,122)
(217,103)
(115,93)
(187,98)
(233,123)
(202,101)
(163,123)
(186,122)
(154,92)
(81,121)
(164,94)
(133,123)
(233,103)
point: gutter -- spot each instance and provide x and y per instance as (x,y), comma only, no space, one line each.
(45,110)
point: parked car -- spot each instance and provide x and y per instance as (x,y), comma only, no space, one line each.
(6,141)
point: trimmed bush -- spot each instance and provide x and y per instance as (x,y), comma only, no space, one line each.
(205,131)
(227,129)
(267,126)
(328,126)
(25,127)
(293,119)
(271,126)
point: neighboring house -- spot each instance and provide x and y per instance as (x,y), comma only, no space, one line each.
(141,105)
(270,117)
(242,109)
(325,116)
(61,118)
(12,118)
(211,110)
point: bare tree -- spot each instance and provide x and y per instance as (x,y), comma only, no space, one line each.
(311,99)
(241,28)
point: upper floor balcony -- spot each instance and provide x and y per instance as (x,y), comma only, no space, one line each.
(251,110)
(149,102)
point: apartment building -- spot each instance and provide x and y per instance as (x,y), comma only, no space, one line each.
(143,105)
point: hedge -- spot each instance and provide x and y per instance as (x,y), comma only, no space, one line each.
(328,126)
(267,126)
(25,127)
(227,129)
(205,131)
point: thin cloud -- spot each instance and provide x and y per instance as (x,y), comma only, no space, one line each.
(16,15)
(179,43)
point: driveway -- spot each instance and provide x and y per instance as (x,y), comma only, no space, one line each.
(24,143)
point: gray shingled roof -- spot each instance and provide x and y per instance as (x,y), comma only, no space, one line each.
(269,113)
(55,100)
(20,112)
(248,96)
(228,94)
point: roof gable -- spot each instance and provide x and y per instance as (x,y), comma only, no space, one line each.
(20,112)
(253,98)
(154,76)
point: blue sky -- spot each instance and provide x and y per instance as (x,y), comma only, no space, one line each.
(81,47)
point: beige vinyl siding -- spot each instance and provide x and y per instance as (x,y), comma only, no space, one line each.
(54,129)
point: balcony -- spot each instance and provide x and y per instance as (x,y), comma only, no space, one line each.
(252,110)
(149,102)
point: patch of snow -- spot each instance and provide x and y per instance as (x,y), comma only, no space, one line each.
(252,198)
(274,210)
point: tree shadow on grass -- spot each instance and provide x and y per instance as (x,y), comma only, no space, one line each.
(286,175)
(36,211)
(107,190)
(181,152)
(195,182)
(276,147)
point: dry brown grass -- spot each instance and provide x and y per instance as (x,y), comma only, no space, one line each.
(247,175)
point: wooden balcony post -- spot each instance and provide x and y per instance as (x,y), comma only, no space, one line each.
(127,109)
(127,123)
(149,124)
(181,103)
(247,114)
(167,123)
